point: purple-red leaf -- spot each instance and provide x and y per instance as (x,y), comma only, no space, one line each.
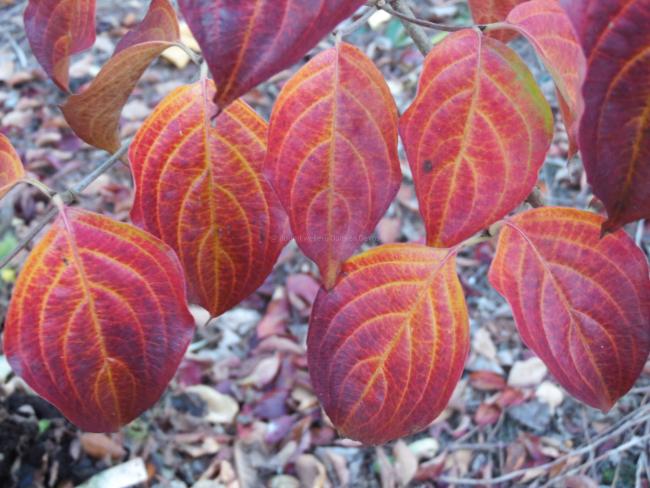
(615,129)
(57,29)
(11,168)
(476,136)
(199,187)
(94,115)
(388,343)
(98,322)
(548,28)
(333,154)
(582,303)
(245,42)
(491,11)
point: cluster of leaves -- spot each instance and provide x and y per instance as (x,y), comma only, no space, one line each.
(99,318)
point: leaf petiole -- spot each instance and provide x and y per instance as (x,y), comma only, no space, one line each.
(40,186)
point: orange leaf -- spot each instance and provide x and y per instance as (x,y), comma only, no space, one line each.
(580,302)
(387,344)
(57,29)
(247,42)
(615,128)
(201,190)
(94,115)
(11,168)
(476,136)
(333,154)
(548,28)
(490,11)
(98,321)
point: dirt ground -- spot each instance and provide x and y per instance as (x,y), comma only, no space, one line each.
(241,411)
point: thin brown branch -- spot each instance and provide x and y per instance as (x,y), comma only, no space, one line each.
(357,24)
(406,15)
(633,442)
(401,10)
(643,415)
(67,197)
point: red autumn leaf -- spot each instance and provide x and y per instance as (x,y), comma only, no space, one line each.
(94,115)
(333,154)
(247,42)
(587,19)
(510,397)
(581,303)
(387,344)
(476,136)
(11,168)
(98,321)
(491,11)
(487,414)
(615,129)
(201,190)
(57,29)
(487,381)
(548,28)
(575,11)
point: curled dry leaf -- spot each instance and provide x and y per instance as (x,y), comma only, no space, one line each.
(265,370)
(11,168)
(529,372)
(476,136)
(125,475)
(277,316)
(425,448)
(615,129)
(100,446)
(487,414)
(549,393)
(220,408)
(490,11)
(387,472)
(548,28)
(582,303)
(311,471)
(94,115)
(333,154)
(180,58)
(483,344)
(244,477)
(57,29)
(387,344)
(487,381)
(247,42)
(302,290)
(580,481)
(406,462)
(98,321)
(201,190)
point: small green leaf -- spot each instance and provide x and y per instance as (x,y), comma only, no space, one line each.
(44,425)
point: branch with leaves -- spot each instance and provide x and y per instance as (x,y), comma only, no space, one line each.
(67,197)
(215,183)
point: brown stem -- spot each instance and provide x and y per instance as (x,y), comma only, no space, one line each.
(406,15)
(401,10)
(67,197)
(641,417)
